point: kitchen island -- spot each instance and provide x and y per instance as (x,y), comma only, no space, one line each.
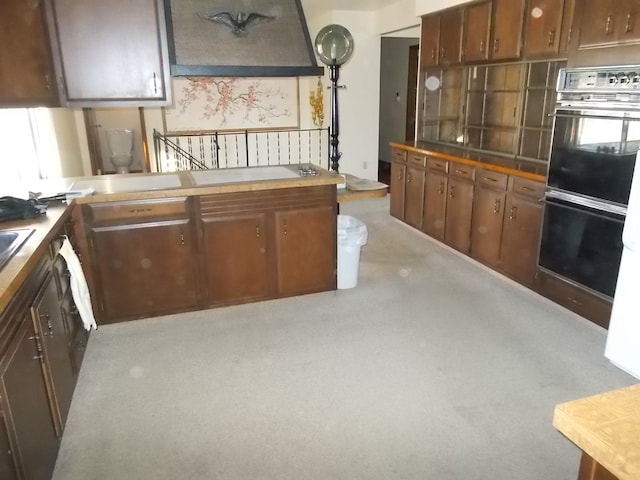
(606,427)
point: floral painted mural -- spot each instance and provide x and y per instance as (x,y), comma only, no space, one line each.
(232,103)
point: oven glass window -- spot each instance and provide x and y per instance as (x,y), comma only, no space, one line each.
(582,244)
(594,154)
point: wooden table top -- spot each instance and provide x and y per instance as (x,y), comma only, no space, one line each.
(606,427)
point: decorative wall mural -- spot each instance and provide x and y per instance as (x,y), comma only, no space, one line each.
(232,103)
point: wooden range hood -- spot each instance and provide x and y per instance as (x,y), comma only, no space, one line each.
(266,38)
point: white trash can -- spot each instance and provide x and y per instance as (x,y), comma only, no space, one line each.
(352,235)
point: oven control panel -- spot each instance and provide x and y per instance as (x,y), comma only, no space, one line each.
(611,79)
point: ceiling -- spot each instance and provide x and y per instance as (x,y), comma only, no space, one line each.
(319,6)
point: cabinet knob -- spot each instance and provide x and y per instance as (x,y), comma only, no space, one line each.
(258,231)
(433,53)
(441,188)
(496,45)
(496,206)
(483,46)
(513,213)
(284,227)
(443,52)
(408,178)
(552,37)
(452,191)
(182,239)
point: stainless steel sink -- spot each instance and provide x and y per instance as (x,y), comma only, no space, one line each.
(11,241)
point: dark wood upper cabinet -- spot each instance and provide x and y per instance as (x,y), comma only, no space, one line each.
(451,37)
(609,22)
(111,53)
(477,29)
(430,41)
(441,38)
(27,78)
(544,26)
(508,16)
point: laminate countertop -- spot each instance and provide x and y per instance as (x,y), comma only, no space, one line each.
(607,428)
(522,168)
(141,186)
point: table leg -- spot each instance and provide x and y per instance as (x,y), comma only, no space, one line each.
(592,470)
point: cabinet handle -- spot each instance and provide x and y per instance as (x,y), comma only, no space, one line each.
(284,227)
(39,355)
(483,46)
(552,37)
(441,188)
(182,239)
(46,318)
(461,172)
(496,206)
(47,81)
(155,83)
(443,52)
(400,175)
(489,179)
(628,26)
(452,191)
(408,177)
(433,53)
(514,212)
(607,28)
(258,231)
(496,45)
(526,189)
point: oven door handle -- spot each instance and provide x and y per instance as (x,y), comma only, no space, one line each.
(621,116)
(579,204)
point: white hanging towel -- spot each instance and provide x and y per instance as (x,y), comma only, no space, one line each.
(79,288)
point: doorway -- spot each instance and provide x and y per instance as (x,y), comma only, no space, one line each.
(398,87)
(99,120)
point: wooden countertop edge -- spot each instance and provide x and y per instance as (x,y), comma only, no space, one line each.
(487,166)
(21,265)
(594,446)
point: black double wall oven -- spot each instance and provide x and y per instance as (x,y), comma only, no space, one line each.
(596,136)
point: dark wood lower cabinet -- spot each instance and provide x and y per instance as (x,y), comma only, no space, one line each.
(486,233)
(169,255)
(398,173)
(57,365)
(25,405)
(435,204)
(457,225)
(305,252)
(235,257)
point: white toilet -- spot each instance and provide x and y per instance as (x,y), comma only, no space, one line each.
(120,142)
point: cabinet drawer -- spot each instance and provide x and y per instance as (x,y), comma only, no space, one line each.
(491,179)
(528,188)
(417,160)
(398,155)
(438,164)
(461,170)
(138,209)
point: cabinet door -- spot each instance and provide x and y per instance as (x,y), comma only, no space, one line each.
(520,238)
(396,202)
(507,29)
(58,368)
(544,23)
(26,67)
(414,196)
(113,51)
(478,20)
(24,398)
(430,41)
(609,22)
(7,466)
(435,204)
(457,225)
(145,269)
(450,37)
(486,225)
(306,248)
(235,258)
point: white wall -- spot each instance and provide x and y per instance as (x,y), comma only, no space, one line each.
(428,6)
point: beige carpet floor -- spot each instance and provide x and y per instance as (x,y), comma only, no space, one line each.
(431,368)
